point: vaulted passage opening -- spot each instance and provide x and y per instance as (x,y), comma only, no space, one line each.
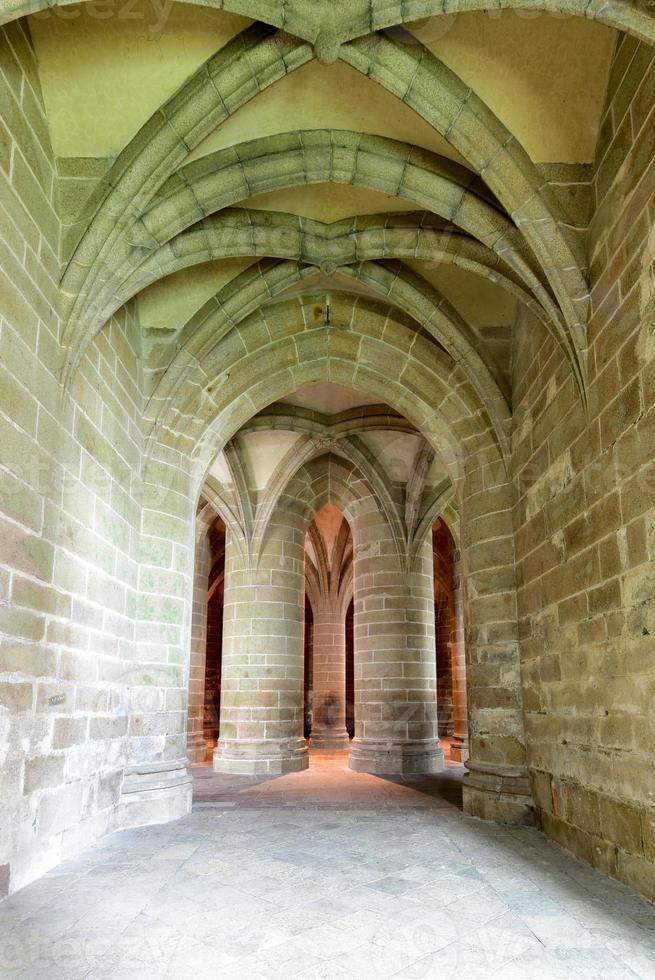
(332,616)
(329,649)
(329,588)
(450,644)
(206,639)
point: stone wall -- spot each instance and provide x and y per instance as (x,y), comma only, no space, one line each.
(29,232)
(585,518)
(69,520)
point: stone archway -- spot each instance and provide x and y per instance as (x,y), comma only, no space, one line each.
(497,783)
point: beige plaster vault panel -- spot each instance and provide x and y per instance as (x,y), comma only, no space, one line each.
(480,301)
(544,75)
(102,77)
(328,398)
(326,97)
(262,451)
(329,202)
(396,452)
(168,303)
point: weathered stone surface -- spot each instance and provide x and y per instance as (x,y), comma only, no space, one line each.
(583,555)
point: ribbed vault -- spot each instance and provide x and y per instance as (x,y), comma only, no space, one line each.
(329,570)
(326,449)
(239,232)
(153,214)
(330,23)
(405,296)
(207,396)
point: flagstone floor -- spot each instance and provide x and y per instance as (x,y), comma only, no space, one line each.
(326,874)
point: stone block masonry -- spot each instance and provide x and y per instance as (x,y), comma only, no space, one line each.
(395,659)
(261,725)
(584,518)
(73,716)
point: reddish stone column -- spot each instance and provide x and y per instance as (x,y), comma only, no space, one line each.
(459,748)
(329,725)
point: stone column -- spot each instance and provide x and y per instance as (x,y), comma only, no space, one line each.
(261,724)
(395,667)
(443,614)
(196,744)
(459,745)
(496,786)
(329,726)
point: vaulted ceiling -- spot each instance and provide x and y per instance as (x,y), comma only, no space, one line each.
(213,166)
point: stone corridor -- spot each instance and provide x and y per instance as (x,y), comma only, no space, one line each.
(329,874)
(327,489)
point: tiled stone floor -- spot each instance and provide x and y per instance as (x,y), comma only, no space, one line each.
(326,874)
(328,783)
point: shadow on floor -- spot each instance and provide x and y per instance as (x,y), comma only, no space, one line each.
(328,783)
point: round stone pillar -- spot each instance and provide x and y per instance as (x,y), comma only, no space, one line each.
(395,664)
(261,723)
(329,651)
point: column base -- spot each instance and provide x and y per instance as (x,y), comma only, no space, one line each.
(459,749)
(270,757)
(154,793)
(196,749)
(330,739)
(396,759)
(497,792)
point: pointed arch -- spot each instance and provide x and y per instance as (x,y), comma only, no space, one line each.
(220,316)
(241,233)
(413,74)
(359,351)
(357,454)
(228,176)
(245,66)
